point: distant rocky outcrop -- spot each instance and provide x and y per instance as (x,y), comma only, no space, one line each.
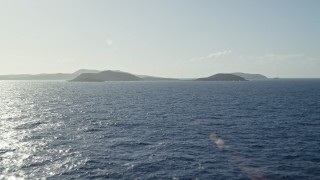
(250,77)
(222,77)
(106,76)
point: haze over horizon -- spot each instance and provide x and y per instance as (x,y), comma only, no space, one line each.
(182,39)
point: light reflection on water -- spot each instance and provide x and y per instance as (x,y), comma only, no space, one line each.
(25,145)
(61,130)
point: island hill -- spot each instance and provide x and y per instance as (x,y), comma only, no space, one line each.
(106,76)
(222,77)
(123,76)
(85,75)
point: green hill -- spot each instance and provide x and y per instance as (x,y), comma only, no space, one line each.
(222,77)
(106,76)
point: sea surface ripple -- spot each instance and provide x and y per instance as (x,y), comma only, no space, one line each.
(160,130)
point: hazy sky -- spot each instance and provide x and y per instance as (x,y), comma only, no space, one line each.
(170,38)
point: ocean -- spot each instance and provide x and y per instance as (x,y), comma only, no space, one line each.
(160,130)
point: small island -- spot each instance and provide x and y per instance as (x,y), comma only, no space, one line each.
(106,76)
(251,77)
(222,77)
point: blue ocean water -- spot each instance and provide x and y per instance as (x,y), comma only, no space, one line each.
(160,130)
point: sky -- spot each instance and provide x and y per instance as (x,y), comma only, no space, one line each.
(168,38)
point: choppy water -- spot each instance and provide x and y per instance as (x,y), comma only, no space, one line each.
(160,130)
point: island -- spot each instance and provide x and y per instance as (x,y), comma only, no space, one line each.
(106,76)
(89,75)
(222,77)
(44,76)
(251,77)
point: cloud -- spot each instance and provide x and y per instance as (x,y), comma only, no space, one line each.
(109,42)
(212,55)
(219,54)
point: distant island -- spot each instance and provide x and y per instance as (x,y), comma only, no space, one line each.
(87,75)
(250,77)
(56,76)
(106,76)
(222,77)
